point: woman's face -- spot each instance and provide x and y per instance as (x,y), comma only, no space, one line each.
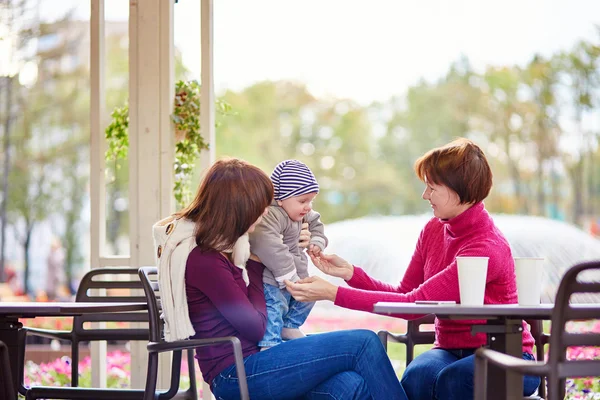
(253,226)
(444,201)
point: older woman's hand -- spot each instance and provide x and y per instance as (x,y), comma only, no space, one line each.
(312,288)
(333,265)
(304,236)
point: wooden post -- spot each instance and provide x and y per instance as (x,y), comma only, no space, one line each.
(151,145)
(207,95)
(97,185)
(207,105)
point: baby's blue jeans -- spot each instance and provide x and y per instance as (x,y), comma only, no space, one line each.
(283,311)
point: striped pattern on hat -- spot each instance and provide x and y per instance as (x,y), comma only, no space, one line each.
(293,178)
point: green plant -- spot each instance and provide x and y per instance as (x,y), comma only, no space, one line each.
(117,135)
(188,137)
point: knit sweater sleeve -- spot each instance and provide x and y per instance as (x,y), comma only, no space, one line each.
(213,277)
(413,276)
(442,286)
(317,229)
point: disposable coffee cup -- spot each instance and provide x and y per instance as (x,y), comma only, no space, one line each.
(529,279)
(472,273)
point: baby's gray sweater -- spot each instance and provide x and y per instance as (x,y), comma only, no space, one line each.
(275,242)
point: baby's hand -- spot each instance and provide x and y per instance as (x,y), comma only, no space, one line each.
(304,236)
(314,250)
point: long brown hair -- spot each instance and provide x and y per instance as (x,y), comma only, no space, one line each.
(231,197)
(460,165)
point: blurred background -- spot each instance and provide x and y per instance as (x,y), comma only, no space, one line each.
(356,90)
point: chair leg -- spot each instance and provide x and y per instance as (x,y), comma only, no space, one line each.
(75,363)
(151,376)
(22,340)
(410,351)
(562,388)
(537,331)
(7,389)
(193,389)
(383,338)
(480,378)
(240,369)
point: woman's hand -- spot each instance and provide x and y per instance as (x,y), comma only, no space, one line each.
(304,236)
(312,288)
(333,265)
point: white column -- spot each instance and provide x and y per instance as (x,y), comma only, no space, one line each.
(97,149)
(207,105)
(207,95)
(151,145)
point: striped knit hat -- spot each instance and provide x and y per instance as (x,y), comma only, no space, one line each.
(293,178)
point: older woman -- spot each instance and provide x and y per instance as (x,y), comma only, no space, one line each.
(457,179)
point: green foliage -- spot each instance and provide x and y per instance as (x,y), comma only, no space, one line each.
(281,120)
(48,118)
(116,134)
(189,141)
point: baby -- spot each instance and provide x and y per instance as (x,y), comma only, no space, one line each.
(275,242)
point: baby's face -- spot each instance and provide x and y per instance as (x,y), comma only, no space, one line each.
(297,207)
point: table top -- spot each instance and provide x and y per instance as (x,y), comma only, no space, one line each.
(542,311)
(64,309)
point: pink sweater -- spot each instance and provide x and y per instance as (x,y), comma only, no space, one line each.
(432,275)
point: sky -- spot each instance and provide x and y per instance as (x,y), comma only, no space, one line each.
(365,50)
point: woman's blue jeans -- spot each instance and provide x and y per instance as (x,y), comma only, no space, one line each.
(336,365)
(448,375)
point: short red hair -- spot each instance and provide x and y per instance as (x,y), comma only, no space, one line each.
(461,166)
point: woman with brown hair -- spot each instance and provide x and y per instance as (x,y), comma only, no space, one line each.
(224,297)
(457,179)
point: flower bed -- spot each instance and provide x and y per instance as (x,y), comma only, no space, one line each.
(583,388)
(58,372)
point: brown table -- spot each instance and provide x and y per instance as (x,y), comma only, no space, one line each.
(11,312)
(504,330)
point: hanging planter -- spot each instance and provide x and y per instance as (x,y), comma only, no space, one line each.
(188,138)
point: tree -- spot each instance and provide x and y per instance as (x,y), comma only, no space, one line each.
(275,121)
(507,118)
(580,70)
(51,122)
(432,114)
(541,76)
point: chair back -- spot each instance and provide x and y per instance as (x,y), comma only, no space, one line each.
(149,280)
(113,285)
(583,278)
(7,387)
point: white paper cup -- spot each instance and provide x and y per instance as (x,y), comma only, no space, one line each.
(472,272)
(529,279)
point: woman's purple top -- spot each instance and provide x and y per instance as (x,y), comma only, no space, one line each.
(220,304)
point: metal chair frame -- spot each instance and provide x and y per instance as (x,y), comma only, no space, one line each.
(557,368)
(158,345)
(91,282)
(7,389)
(415,336)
